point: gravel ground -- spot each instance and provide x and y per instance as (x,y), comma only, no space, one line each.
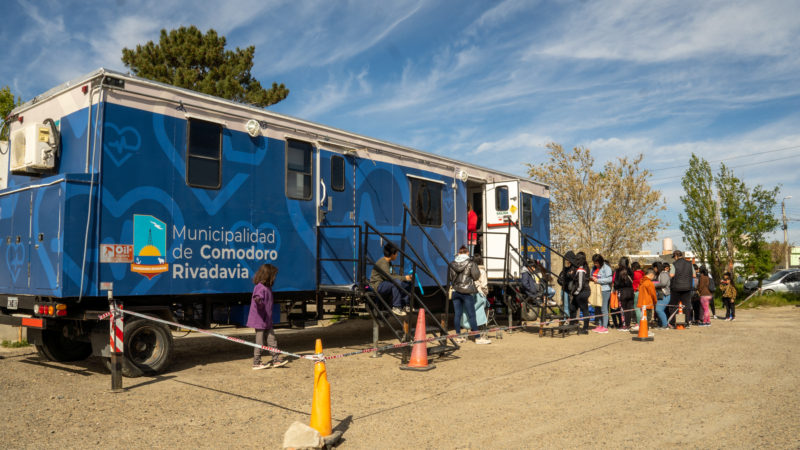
(729,385)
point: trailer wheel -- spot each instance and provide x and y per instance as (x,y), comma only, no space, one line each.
(147,349)
(55,346)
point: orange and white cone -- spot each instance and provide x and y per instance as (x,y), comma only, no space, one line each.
(419,353)
(680,318)
(321,404)
(643,331)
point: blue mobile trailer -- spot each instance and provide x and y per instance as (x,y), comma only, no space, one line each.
(171,200)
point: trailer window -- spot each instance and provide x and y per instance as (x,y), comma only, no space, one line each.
(501,198)
(426,202)
(204,154)
(527,210)
(298,169)
(337,173)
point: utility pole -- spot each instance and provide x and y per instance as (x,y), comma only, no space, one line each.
(785,233)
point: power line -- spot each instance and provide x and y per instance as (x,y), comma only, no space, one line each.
(730,167)
(733,157)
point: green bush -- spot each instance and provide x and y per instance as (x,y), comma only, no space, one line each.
(11,344)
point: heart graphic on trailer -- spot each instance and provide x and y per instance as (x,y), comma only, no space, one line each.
(120,143)
(15,259)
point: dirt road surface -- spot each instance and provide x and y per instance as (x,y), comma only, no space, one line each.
(729,385)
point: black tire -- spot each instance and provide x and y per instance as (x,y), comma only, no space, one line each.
(148,348)
(57,347)
(767,292)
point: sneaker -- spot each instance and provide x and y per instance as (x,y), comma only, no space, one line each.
(583,331)
(733,318)
(280,363)
(551,303)
(601,330)
(623,329)
(714,317)
(460,340)
(635,328)
(407,309)
(483,341)
(261,366)
(398,312)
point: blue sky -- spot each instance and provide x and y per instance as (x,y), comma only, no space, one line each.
(486,82)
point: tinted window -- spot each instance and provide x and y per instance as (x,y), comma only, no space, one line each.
(204,154)
(337,173)
(527,210)
(501,198)
(298,169)
(792,278)
(426,201)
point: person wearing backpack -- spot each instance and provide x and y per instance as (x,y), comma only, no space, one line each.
(712,288)
(463,273)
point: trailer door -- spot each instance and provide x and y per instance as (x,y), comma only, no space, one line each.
(338,235)
(502,240)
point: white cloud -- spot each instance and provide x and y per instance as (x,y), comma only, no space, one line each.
(334,94)
(663,31)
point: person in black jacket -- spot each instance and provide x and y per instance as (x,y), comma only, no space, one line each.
(581,291)
(623,284)
(565,280)
(681,285)
(463,273)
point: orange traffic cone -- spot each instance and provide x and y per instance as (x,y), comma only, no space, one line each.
(643,331)
(321,405)
(419,354)
(680,318)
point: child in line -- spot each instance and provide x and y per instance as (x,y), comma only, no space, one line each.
(260,316)
(728,296)
(647,295)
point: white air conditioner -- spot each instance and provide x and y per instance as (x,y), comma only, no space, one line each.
(33,148)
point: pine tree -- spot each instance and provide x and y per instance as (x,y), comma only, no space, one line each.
(189,59)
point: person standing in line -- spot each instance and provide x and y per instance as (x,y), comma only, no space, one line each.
(260,316)
(681,287)
(728,296)
(602,275)
(647,297)
(481,303)
(661,283)
(637,278)
(705,295)
(463,273)
(697,306)
(565,280)
(581,291)
(712,287)
(472,229)
(623,284)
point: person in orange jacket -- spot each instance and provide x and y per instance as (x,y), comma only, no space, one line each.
(647,294)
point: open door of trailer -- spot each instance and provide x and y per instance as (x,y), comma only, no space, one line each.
(501,241)
(338,235)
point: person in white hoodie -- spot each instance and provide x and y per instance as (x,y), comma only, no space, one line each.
(481,303)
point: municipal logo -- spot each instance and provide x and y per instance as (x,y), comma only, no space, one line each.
(149,246)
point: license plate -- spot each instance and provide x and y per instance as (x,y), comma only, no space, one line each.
(13,303)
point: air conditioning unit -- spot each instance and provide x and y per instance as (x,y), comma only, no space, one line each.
(33,148)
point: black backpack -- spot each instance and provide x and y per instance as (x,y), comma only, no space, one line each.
(711,286)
